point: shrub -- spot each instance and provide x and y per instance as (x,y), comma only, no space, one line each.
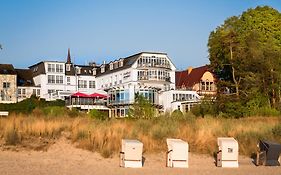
(164,128)
(28,105)
(177,114)
(73,112)
(96,114)
(206,107)
(54,111)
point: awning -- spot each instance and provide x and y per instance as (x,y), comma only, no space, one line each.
(79,94)
(97,95)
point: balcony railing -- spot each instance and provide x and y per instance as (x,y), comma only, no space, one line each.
(168,79)
(154,65)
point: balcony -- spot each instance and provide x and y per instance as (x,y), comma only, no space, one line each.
(167,79)
(121,102)
(154,65)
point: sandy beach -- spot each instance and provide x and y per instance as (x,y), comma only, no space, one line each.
(63,158)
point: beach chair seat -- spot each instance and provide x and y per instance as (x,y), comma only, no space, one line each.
(177,154)
(131,153)
(227,156)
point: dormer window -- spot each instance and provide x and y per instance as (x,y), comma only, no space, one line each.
(78,70)
(67,67)
(115,64)
(102,68)
(111,66)
(95,71)
(121,63)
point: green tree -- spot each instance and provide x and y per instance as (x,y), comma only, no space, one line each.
(245,53)
(142,108)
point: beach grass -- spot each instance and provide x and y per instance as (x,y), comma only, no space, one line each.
(105,136)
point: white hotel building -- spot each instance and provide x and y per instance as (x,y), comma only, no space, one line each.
(147,73)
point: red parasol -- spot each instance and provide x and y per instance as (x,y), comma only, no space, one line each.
(97,95)
(79,94)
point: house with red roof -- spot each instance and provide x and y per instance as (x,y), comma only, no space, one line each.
(199,79)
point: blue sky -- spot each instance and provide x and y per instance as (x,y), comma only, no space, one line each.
(37,30)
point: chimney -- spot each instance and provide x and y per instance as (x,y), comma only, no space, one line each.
(104,62)
(189,69)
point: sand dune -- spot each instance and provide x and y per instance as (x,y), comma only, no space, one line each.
(64,158)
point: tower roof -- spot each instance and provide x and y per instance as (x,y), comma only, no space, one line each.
(68,57)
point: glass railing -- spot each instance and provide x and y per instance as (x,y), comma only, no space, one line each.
(168,79)
(154,65)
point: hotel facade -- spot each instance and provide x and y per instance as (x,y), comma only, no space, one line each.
(150,74)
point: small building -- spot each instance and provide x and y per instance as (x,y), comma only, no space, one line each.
(8,84)
(59,79)
(182,100)
(200,79)
(25,84)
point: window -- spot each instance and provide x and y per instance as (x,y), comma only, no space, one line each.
(68,67)
(51,67)
(94,71)
(211,86)
(77,70)
(121,63)
(50,91)
(34,92)
(19,91)
(51,79)
(203,86)
(59,79)
(111,66)
(59,68)
(115,65)
(23,91)
(92,84)
(6,85)
(38,92)
(103,68)
(82,84)
(68,80)
(207,86)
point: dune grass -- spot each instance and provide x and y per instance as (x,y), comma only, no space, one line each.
(105,136)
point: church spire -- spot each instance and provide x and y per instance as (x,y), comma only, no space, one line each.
(68,57)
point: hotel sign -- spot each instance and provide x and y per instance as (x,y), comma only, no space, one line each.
(126,75)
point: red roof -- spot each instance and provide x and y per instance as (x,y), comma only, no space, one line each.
(189,80)
(79,94)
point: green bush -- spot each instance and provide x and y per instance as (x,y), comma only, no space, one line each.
(28,105)
(177,114)
(164,128)
(73,112)
(54,111)
(233,109)
(204,108)
(96,114)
